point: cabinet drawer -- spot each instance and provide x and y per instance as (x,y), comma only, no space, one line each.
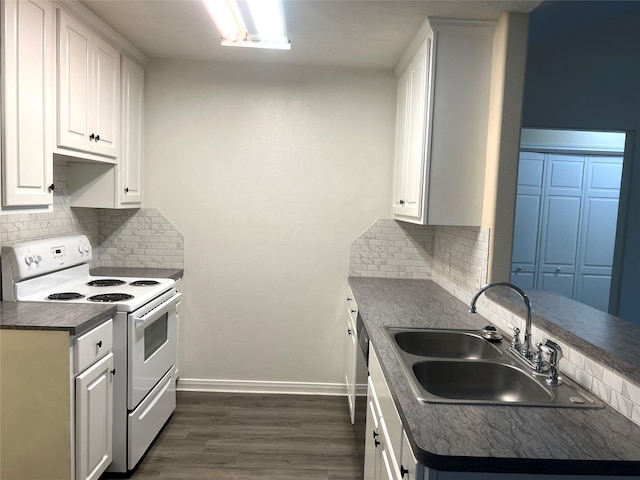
(92,345)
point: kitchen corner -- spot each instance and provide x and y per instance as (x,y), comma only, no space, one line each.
(123,333)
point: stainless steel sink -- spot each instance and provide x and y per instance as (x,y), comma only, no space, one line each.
(479,381)
(459,366)
(444,343)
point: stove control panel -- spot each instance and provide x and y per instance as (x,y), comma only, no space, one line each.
(37,257)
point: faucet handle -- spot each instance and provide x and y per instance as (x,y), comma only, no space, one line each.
(515,343)
(538,362)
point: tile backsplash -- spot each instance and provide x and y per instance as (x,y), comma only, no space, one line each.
(121,238)
(456,256)
(140,238)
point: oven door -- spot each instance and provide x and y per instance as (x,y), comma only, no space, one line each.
(151,345)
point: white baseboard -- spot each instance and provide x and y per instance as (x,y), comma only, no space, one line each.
(251,386)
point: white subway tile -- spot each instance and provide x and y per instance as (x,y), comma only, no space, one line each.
(612,380)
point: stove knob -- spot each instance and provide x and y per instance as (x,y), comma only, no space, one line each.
(37,258)
(29,259)
(81,249)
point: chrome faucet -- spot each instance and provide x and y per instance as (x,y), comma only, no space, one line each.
(525,351)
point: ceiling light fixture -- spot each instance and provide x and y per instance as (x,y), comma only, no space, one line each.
(249,23)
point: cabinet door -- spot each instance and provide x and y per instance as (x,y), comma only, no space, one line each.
(88,90)
(105,98)
(372,443)
(350,352)
(75,52)
(410,469)
(400,175)
(94,419)
(415,170)
(410,180)
(130,188)
(28,51)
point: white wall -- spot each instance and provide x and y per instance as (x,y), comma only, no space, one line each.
(269,173)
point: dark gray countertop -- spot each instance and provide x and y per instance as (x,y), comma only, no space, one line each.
(74,318)
(174,273)
(487,438)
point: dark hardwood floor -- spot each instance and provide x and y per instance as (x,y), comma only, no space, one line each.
(227,436)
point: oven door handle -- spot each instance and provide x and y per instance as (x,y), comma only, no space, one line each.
(152,315)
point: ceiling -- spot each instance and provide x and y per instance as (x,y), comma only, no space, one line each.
(351,33)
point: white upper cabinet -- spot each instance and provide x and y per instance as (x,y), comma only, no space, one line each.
(88,90)
(410,133)
(130,188)
(104,185)
(28,55)
(442,120)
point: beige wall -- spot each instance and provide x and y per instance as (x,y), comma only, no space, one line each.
(503,142)
(269,172)
(35,405)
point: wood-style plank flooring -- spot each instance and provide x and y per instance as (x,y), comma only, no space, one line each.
(226,436)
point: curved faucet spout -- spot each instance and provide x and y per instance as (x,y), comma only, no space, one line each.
(526,346)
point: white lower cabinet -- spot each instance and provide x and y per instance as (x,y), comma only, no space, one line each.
(94,419)
(93,360)
(410,469)
(350,351)
(57,403)
(372,455)
(388,454)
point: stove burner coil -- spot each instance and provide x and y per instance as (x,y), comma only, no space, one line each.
(65,296)
(144,283)
(106,282)
(110,297)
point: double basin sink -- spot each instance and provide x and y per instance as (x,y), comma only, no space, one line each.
(462,367)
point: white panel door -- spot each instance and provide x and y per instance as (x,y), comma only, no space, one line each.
(414,185)
(106,98)
(350,352)
(599,226)
(561,224)
(410,160)
(400,175)
(88,90)
(75,51)
(94,419)
(372,447)
(524,258)
(28,50)
(130,188)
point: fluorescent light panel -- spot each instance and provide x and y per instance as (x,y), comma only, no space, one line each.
(249,23)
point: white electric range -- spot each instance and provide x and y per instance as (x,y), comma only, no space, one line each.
(144,331)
